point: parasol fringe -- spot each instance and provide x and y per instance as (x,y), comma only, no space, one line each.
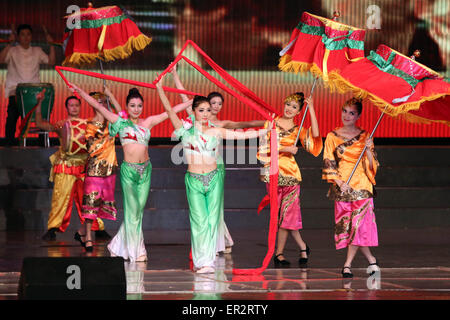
(137,43)
(286,65)
(120,52)
(412,118)
(336,81)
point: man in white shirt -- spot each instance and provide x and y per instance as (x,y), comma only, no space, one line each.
(23,62)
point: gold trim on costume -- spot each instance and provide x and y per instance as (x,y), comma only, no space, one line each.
(290,198)
(283,181)
(334,193)
(92,199)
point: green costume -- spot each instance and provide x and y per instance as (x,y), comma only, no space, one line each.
(135,181)
(205,197)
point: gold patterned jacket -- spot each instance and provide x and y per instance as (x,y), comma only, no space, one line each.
(289,172)
(339,158)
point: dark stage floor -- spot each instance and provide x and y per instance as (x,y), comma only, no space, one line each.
(415,265)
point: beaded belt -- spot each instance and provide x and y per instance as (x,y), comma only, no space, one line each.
(205,179)
(140,168)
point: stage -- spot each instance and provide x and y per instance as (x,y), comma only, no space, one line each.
(414,266)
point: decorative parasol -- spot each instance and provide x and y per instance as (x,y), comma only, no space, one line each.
(320,45)
(105,34)
(398,86)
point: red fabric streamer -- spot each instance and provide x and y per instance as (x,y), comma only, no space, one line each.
(264,202)
(273,224)
(225,75)
(223,87)
(117,79)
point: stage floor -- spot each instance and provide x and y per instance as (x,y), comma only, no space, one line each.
(415,265)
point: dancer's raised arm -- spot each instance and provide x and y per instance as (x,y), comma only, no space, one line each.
(180,86)
(239,135)
(110,116)
(171,114)
(228,124)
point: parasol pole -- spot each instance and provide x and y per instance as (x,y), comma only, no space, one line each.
(413,57)
(104,83)
(336,15)
(306,111)
(365,147)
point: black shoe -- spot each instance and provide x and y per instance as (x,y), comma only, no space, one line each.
(102,234)
(347,274)
(77,237)
(280,263)
(50,235)
(303,261)
(88,248)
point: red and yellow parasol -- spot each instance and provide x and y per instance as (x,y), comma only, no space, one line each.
(321,45)
(397,85)
(104,34)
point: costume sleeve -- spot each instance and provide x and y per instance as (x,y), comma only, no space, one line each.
(313,145)
(330,167)
(114,128)
(375,164)
(180,132)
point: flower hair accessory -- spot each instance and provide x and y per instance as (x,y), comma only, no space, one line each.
(187,123)
(123,114)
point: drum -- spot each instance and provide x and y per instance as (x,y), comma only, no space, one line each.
(26,98)
(73,140)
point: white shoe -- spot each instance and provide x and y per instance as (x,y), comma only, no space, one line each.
(205,270)
(142,258)
(227,250)
(373,268)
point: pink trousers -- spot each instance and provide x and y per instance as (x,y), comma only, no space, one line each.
(98,198)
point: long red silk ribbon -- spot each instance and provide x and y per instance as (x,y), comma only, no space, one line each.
(273,194)
(117,79)
(225,75)
(251,100)
(228,90)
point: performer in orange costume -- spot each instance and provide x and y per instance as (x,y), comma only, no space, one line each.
(68,169)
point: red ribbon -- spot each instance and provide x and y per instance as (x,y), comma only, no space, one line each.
(117,79)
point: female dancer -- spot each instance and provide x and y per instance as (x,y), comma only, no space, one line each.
(353,207)
(216,100)
(135,171)
(289,177)
(100,181)
(204,182)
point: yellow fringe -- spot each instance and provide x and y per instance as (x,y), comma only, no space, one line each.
(121,52)
(419,120)
(336,81)
(287,65)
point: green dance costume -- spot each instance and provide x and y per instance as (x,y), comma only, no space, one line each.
(135,181)
(205,197)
